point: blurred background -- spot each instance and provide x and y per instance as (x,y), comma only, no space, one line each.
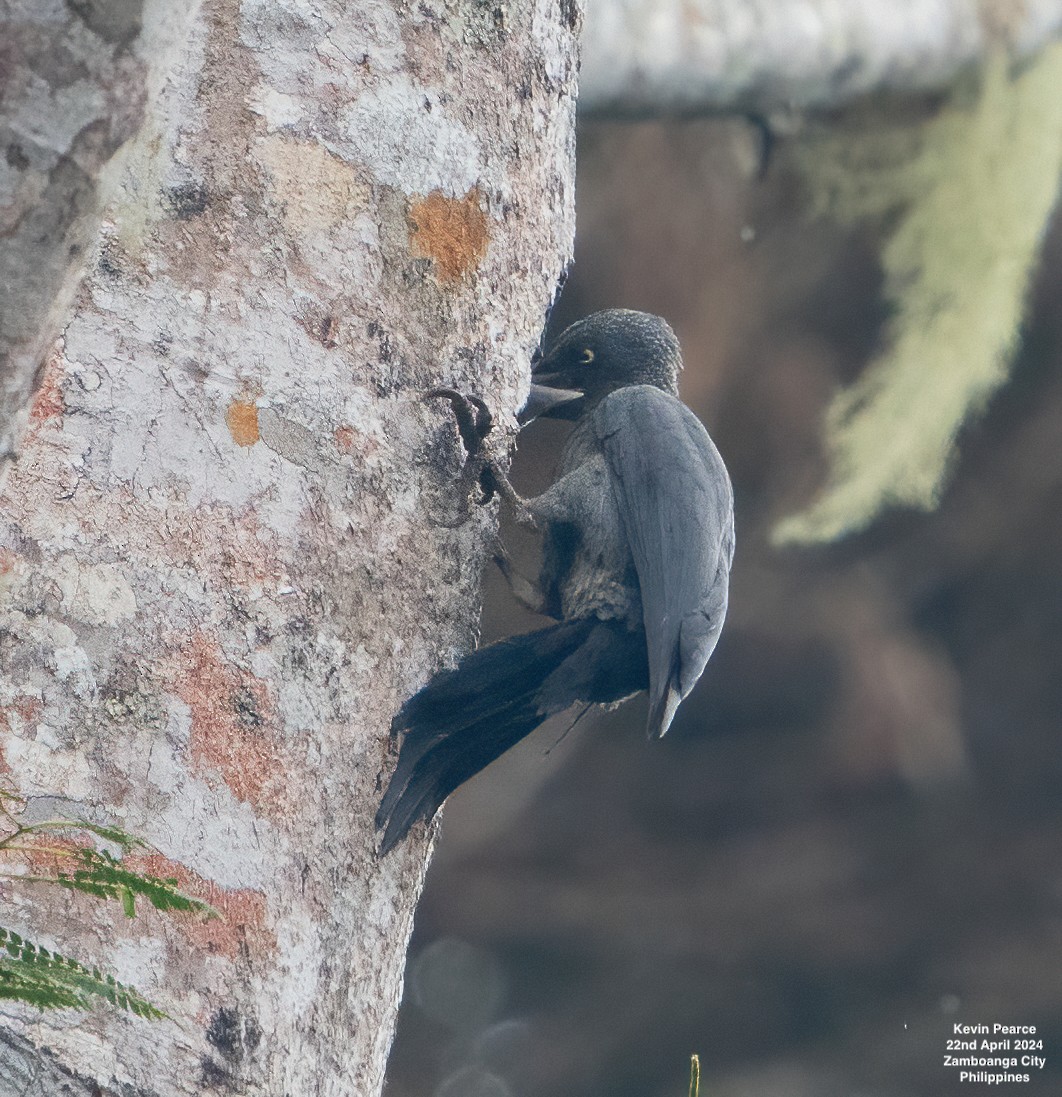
(851,839)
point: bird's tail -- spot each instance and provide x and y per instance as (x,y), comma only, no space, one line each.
(465,718)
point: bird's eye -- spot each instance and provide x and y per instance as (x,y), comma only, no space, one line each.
(586,357)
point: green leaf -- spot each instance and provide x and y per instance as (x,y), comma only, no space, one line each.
(106,878)
(108,833)
(48,980)
(44,994)
(29,972)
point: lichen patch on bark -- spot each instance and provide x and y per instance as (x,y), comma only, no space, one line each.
(16,718)
(344,439)
(232,725)
(244,912)
(96,594)
(349,441)
(314,190)
(452,232)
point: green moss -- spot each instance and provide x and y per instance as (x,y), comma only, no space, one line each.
(968,194)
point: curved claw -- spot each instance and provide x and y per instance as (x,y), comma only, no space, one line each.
(474,423)
(474,420)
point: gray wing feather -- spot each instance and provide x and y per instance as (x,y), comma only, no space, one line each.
(676,504)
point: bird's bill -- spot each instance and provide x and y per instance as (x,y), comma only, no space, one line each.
(552,403)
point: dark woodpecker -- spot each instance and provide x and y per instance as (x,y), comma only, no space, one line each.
(638,537)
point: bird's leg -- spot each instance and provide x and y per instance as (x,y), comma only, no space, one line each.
(474,423)
(494,480)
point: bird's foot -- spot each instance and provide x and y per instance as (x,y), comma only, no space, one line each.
(474,420)
(474,424)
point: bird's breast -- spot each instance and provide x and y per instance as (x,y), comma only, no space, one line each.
(587,564)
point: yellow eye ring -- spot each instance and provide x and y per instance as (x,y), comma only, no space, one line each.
(586,357)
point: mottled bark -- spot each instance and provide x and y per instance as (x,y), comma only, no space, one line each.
(228,550)
(651,57)
(75,79)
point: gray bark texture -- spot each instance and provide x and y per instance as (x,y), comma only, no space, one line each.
(232,536)
(74,81)
(652,57)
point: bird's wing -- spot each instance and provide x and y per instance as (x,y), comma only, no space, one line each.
(675,501)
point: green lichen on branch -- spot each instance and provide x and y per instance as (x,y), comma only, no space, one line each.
(968,195)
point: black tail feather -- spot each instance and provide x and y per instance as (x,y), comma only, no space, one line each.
(465,718)
(442,769)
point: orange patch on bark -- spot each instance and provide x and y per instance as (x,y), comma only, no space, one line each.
(232,724)
(242,421)
(452,232)
(243,911)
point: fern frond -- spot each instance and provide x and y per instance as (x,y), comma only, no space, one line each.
(116,835)
(49,980)
(106,878)
(24,985)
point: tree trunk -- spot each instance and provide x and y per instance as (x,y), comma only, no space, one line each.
(74,82)
(228,548)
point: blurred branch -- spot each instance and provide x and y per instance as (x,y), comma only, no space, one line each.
(651,57)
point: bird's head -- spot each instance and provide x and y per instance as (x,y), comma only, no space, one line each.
(606,351)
